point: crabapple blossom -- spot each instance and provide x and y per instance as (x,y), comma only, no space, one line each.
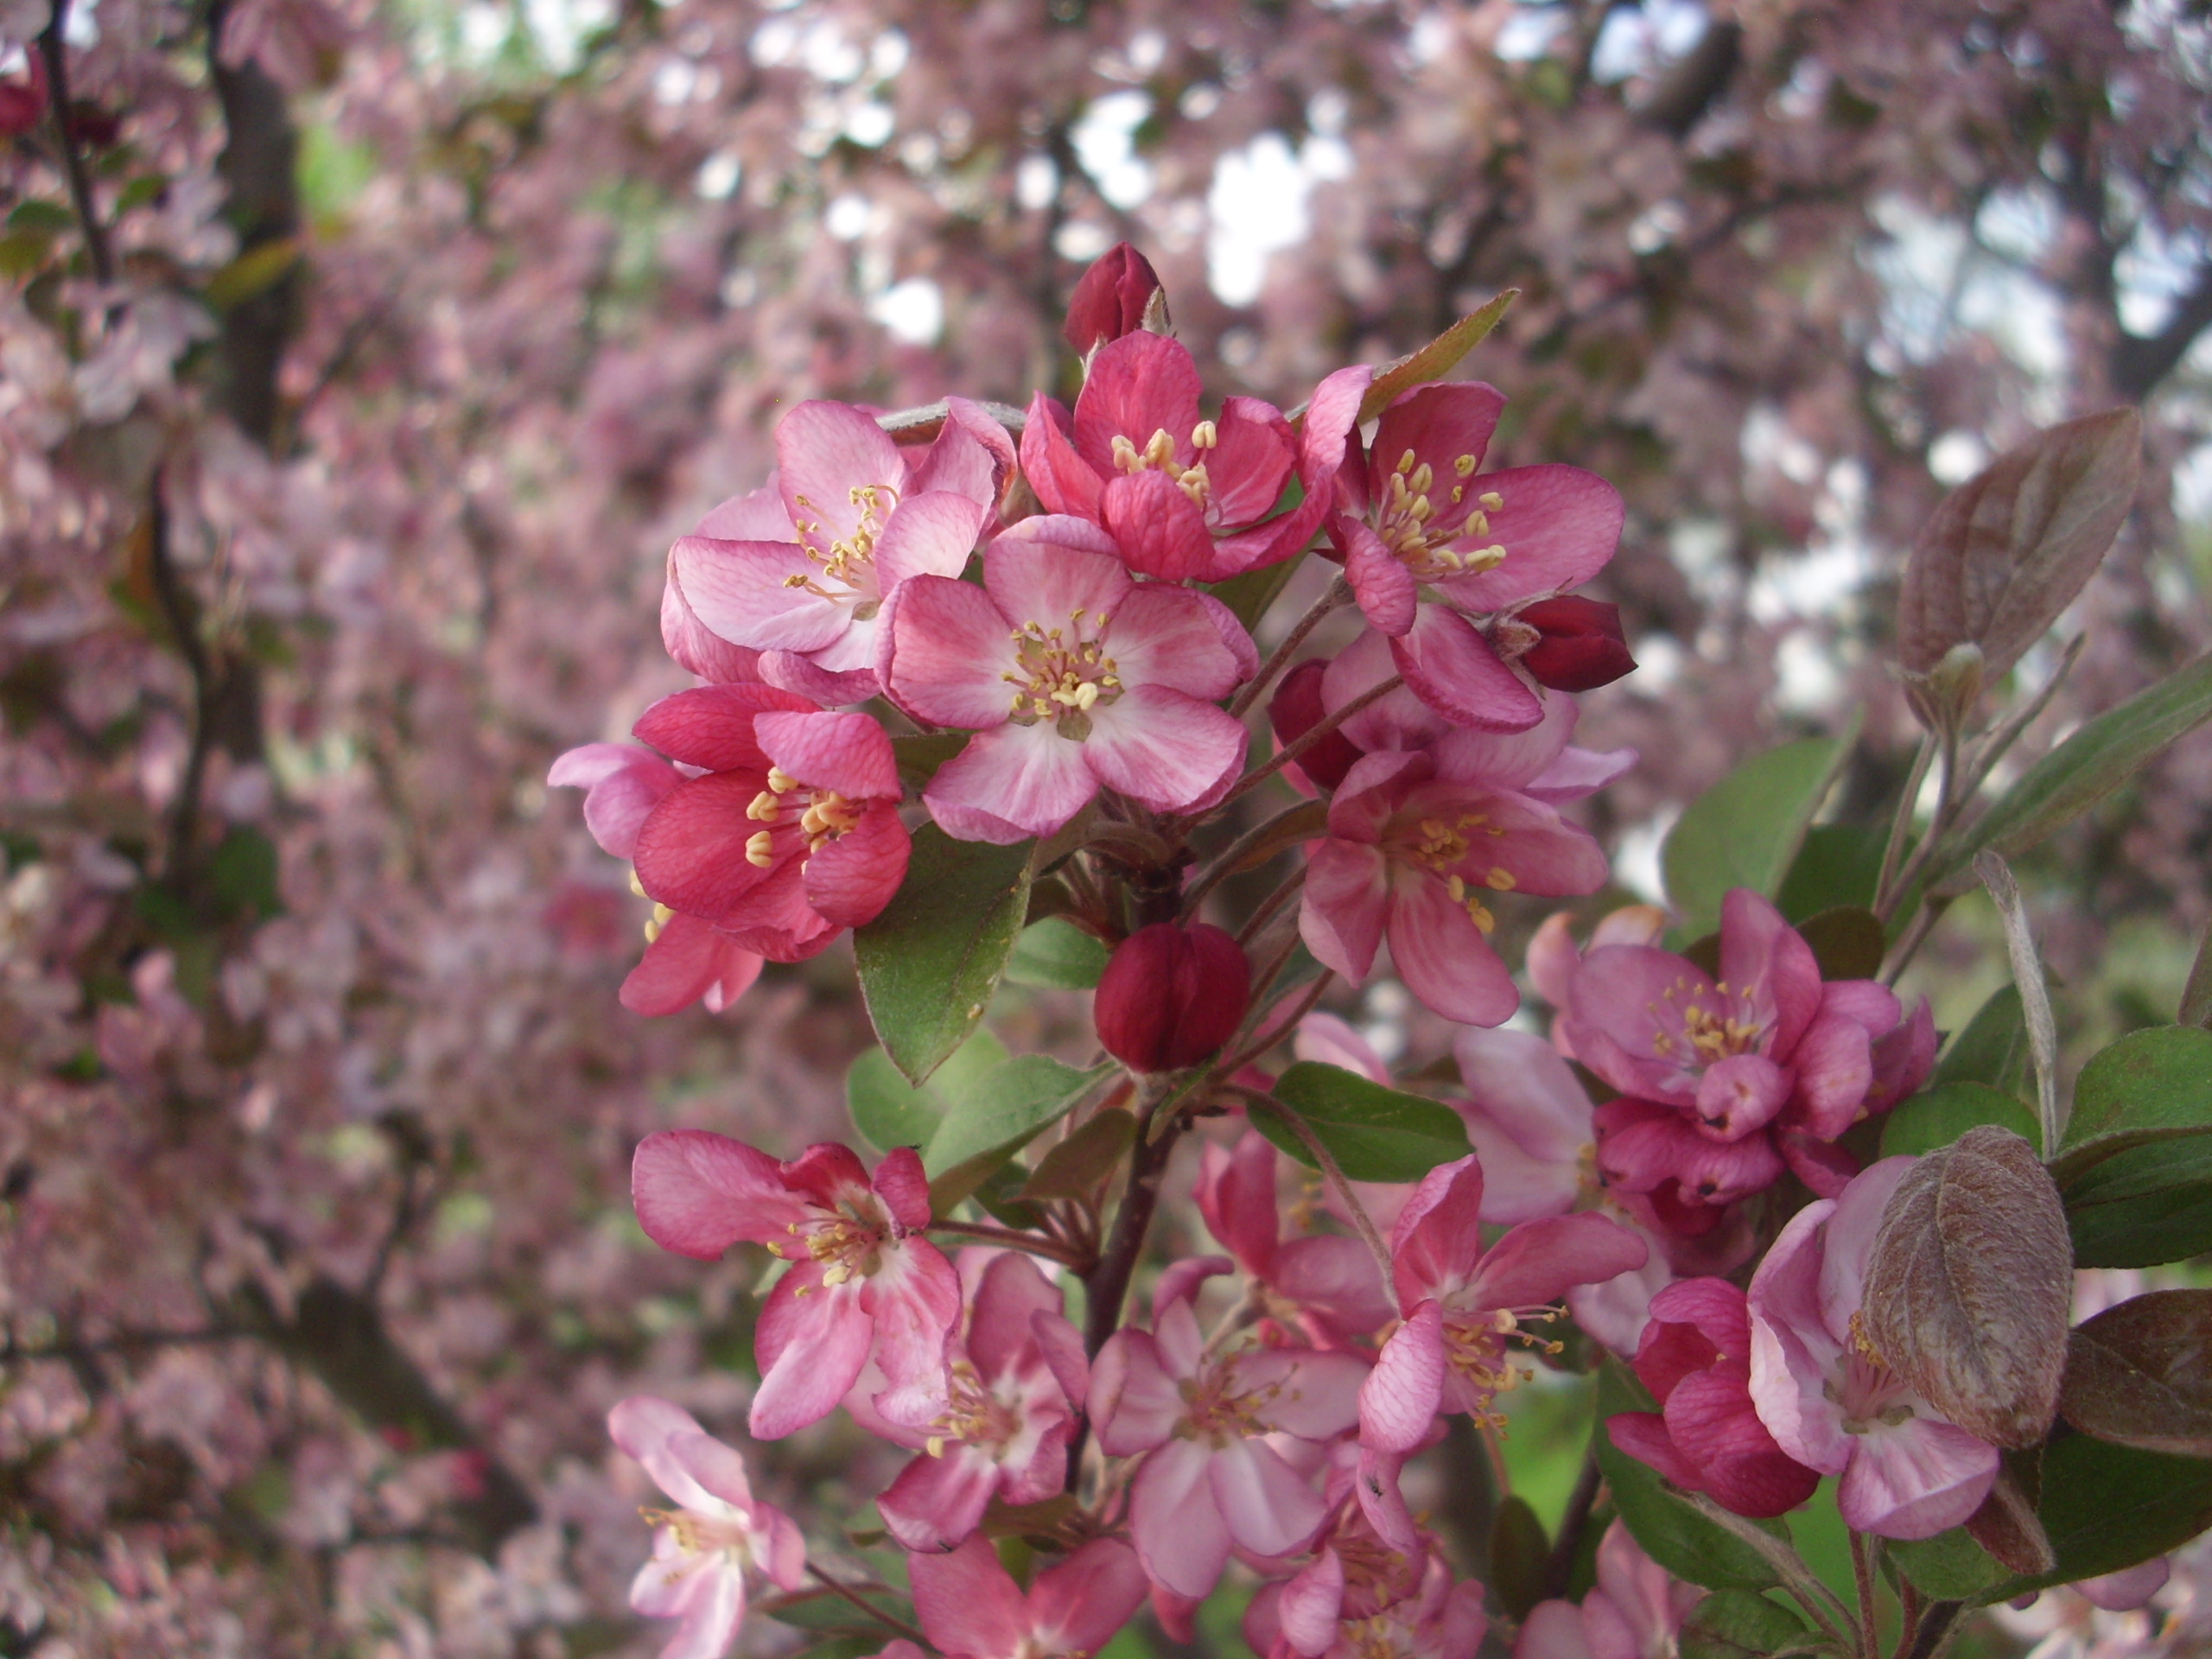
(1439,1620)
(1633,1611)
(1112,682)
(863,1282)
(1822,1390)
(703,1548)
(1323,1284)
(1578,644)
(1352,1576)
(971,1607)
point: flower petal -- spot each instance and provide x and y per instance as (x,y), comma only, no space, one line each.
(938,1500)
(1162,747)
(1166,637)
(742,591)
(1181,1536)
(686,960)
(931,534)
(1138,384)
(697,1193)
(1064,481)
(713,727)
(824,452)
(1452,669)
(967,1603)
(1077,1606)
(1346,903)
(1161,530)
(846,752)
(947,654)
(1916,1479)
(1269,1509)
(811,1342)
(1559,526)
(1443,956)
(1011,784)
(1400,1398)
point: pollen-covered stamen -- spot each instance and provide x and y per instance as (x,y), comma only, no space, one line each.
(703,1534)
(823,815)
(973,1415)
(1062,673)
(1474,1343)
(849,1238)
(660,919)
(1437,846)
(1713,1034)
(1217,1412)
(1420,532)
(850,560)
(1159,455)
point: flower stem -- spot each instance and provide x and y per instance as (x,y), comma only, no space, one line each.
(1826,1609)
(1309,739)
(1107,1284)
(1238,851)
(1006,1236)
(889,1621)
(1362,1222)
(1862,1571)
(1336,596)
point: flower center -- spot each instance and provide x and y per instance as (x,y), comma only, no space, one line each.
(825,815)
(847,1240)
(1218,1412)
(1474,1346)
(1866,1391)
(1435,846)
(1062,674)
(1404,518)
(1159,455)
(973,1415)
(701,1534)
(1712,1034)
(849,562)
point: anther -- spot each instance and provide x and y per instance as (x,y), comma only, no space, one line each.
(760,849)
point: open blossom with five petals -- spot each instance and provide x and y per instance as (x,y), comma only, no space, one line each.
(1415,516)
(1323,1284)
(1633,1611)
(1210,1477)
(790,835)
(1554,956)
(1460,1304)
(1440,1620)
(996,1420)
(1695,1357)
(800,569)
(1409,854)
(971,1607)
(1185,497)
(718,1531)
(1726,1083)
(1823,1391)
(687,958)
(1072,676)
(863,1282)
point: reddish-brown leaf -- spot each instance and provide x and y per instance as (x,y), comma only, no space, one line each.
(2140,1374)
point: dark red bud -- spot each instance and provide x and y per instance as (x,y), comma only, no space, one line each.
(1581,646)
(21,103)
(1172,995)
(1294,710)
(93,126)
(1111,300)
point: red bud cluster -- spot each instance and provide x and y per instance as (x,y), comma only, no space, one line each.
(1172,995)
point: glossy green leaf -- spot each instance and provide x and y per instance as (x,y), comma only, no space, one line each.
(2108,1507)
(929,964)
(1991,1048)
(1058,954)
(1375,1134)
(1950,1566)
(998,1115)
(1436,360)
(2150,1086)
(919,754)
(1838,865)
(889,1111)
(1248,596)
(1670,1530)
(1739,1624)
(1518,1551)
(1746,831)
(2143,1207)
(1936,1117)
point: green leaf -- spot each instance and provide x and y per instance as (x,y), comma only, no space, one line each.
(889,1111)
(23,253)
(1434,360)
(929,964)
(1078,1164)
(1001,1112)
(1746,831)
(2137,1374)
(825,1612)
(1848,941)
(1375,1134)
(1739,1624)
(252,273)
(2143,1207)
(46,218)
(1937,1116)
(1672,1532)
(1991,1048)
(2151,1085)
(1518,1550)
(1950,1566)
(1249,595)
(2108,1507)
(2077,774)
(1838,865)
(242,873)
(919,754)
(1057,953)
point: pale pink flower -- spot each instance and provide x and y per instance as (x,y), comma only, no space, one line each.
(1907,1471)
(1441,1620)
(1355,1573)
(1633,1611)
(1211,1478)
(1073,676)
(1323,1284)
(704,1548)
(971,1607)
(863,1281)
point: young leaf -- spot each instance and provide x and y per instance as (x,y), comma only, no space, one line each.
(2009,548)
(929,964)
(1434,360)
(1248,596)
(1375,1134)
(1936,1117)
(1074,1167)
(1005,1109)
(1838,865)
(1969,1286)
(1992,1048)
(889,1111)
(1739,1624)
(1058,954)
(1518,1547)
(1670,1530)
(2150,1086)
(2140,1374)
(2006,1524)
(1744,831)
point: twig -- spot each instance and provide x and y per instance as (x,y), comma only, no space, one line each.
(1337,595)
(1946,784)
(1862,1572)
(1362,1222)
(55,50)
(1107,1284)
(1901,954)
(1274,1032)
(1309,739)
(889,1621)
(1936,1628)
(1909,1622)
(1065,1255)
(2034,994)
(1901,826)
(1293,885)
(1827,1609)
(1236,852)
(1994,745)
(1559,1566)
(181,612)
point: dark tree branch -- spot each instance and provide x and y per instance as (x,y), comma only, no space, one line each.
(53,50)
(1694,85)
(258,165)
(2140,362)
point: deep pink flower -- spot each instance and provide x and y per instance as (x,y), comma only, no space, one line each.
(1415,513)
(702,1548)
(24,102)
(791,833)
(863,1282)
(1568,644)
(1726,1084)
(1460,1302)
(1553,957)
(1633,1611)
(1171,995)
(971,1607)
(997,1421)
(1823,1392)
(1323,1284)
(802,575)
(1073,677)
(686,957)
(1185,497)
(1706,1437)
(1211,1478)
(1407,854)
(1111,300)
(1441,1620)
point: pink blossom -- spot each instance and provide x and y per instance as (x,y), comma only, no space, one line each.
(971,1607)
(1706,1437)
(800,570)
(792,832)
(864,1283)
(1407,852)
(1441,1620)
(1824,1393)
(1460,1303)
(1724,1085)
(996,1422)
(1073,677)
(1634,1611)
(1185,497)
(1354,1574)
(1553,957)
(702,1548)
(1323,1284)
(1213,1475)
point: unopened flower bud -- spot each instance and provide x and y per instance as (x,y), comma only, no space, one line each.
(1172,995)
(1113,299)
(1579,645)
(1294,710)
(22,102)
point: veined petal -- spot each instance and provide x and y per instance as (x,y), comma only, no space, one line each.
(1345,905)
(1252,454)
(1268,1508)
(1399,1400)
(1452,669)
(1010,784)
(824,452)
(1044,571)
(1386,590)
(972,453)
(1161,530)
(811,1342)
(1446,424)
(1138,384)
(1916,1479)
(691,852)
(1537,1260)
(1064,481)
(1834,1064)
(1133,1403)
(1077,1606)
(931,534)
(1162,747)
(697,1193)
(1166,636)
(915,1298)
(715,728)
(756,516)
(1442,955)
(1181,1535)
(938,1500)
(949,653)
(846,752)
(1520,1082)
(744,588)
(1769,962)
(641,1427)
(1558,525)
(850,881)
(711,1614)
(1510,759)
(689,960)
(1319,1397)
(967,1603)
